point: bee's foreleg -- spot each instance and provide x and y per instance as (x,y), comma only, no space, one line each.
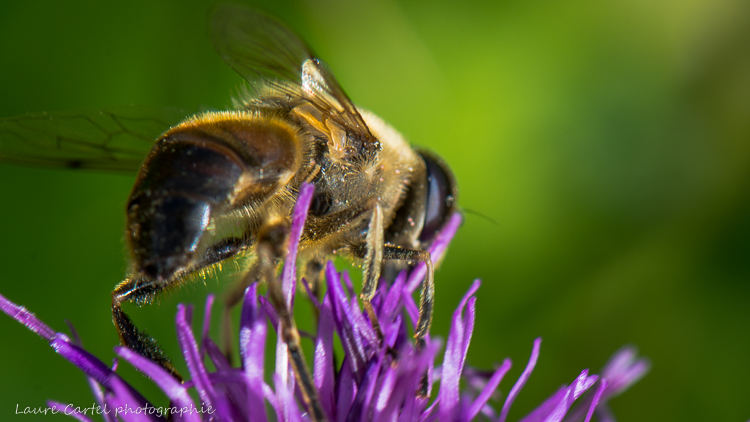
(427,292)
(373,261)
(370,250)
(427,295)
(130,335)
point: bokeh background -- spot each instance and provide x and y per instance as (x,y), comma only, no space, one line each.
(609,141)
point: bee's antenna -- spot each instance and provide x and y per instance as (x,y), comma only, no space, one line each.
(479,214)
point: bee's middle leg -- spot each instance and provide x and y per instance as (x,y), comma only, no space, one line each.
(313,274)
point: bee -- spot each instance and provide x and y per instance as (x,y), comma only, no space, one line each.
(218,184)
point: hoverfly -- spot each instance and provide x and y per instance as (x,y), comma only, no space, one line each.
(375,200)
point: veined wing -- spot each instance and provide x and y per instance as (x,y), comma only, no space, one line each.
(267,54)
(112,139)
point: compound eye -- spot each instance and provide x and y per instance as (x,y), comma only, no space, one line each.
(440,197)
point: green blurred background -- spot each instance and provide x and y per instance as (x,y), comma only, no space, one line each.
(609,140)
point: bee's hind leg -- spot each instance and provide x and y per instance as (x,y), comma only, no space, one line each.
(271,247)
(130,335)
(142,290)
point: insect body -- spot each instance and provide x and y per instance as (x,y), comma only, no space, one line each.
(220,183)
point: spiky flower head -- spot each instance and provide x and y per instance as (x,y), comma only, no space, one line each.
(376,379)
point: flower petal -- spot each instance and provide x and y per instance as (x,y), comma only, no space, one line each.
(521,380)
(361,406)
(411,308)
(623,370)
(176,392)
(436,250)
(270,311)
(127,406)
(582,383)
(392,303)
(206,321)
(91,366)
(253,330)
(289,280)
(323,366)
(195,365)
(488,389)
(546,407)
(595,400)
(361,323)
(346,390)
(344,323)
(455,355)
(22,315)
(96,389)
(290,409)
(299,214)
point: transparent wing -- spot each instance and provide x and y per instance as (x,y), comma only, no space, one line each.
(113,139)
(271,57)
(256,46)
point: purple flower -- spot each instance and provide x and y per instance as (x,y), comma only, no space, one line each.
(375,381)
